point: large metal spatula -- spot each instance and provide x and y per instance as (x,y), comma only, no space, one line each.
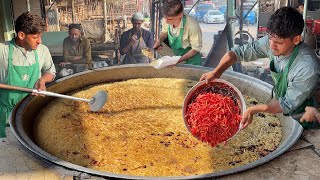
(95,103)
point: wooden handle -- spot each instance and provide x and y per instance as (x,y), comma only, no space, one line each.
(5,86)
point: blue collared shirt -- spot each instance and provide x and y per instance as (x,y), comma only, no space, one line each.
(302,77)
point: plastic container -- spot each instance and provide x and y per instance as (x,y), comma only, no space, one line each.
(316,27)
(166,61)
(309,23)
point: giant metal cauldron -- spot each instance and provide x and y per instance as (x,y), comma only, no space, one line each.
(24,114)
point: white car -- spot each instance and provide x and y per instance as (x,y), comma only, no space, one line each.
(213,16)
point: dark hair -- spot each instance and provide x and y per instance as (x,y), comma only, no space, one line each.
(286,22)
(30,24)
(172,7)
(75,26)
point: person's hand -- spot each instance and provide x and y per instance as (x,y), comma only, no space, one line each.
(77,58)
(171,66)
(40,85)
(157,46)
(134,38)
(247,117)
(63,64)
(209,76)
(310,114)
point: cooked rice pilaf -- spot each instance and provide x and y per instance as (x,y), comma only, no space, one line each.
(140,131)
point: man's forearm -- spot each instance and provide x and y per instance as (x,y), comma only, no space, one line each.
(188,55)
(226,61)
(76,59)
(163,36)
(41,82)
(47,77)
(80,61)
(68,58)
(273,107)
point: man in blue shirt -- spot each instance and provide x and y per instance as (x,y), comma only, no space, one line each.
(294,67)
(134,40)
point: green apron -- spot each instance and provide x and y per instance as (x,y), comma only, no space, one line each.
(24,76)
(176,46)
(281,84)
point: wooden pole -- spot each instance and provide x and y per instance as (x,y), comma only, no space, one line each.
(28,6)
(72,6)
(105,23)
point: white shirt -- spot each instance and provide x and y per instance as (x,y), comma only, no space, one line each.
(192,36)
(20,58)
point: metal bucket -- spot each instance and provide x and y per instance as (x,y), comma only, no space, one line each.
(23,116)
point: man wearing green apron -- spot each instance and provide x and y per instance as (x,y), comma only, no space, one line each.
(183,33)
(23,62)
(294,67)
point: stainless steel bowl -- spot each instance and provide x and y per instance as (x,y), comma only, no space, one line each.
(219,86)
(215,86)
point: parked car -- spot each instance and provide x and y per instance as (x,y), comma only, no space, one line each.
(202,9)
(213,16)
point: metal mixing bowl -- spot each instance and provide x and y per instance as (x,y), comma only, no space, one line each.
(219,86)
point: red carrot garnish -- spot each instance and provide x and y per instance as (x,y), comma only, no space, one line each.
(213,118)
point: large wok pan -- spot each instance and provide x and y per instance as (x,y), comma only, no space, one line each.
(22,119)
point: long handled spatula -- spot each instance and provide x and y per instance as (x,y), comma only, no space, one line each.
(95,103)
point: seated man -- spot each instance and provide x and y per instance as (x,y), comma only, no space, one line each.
(76,50)
(134,40)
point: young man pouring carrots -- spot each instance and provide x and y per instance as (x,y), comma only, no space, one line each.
(294,67)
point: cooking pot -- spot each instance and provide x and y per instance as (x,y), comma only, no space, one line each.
(23,116)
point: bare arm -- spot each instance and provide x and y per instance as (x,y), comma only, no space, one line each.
(188,55)
(78,60)
(157,44)
(272,107)
(227,60)
(41,82)
(163,36)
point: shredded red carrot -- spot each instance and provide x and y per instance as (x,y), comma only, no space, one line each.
(213,118)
